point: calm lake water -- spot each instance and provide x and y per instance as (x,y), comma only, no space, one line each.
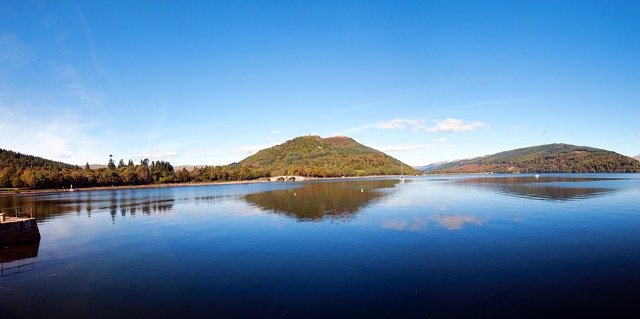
(436,247)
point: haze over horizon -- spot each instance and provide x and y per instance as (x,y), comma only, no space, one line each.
(211,83)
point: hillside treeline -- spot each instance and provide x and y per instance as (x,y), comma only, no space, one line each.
(551,158)
(309,156)
(141,174)
(313,156)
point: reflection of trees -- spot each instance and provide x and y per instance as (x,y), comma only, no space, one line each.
(320,200)
(213,199)
(47,207)
(539,188)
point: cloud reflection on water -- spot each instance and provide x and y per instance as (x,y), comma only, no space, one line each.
(440,221)
(457,222)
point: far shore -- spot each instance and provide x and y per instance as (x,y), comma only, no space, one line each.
(103,188)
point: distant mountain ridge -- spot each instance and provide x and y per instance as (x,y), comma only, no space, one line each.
(637,157)
(549,158)
(187,167)
(325,157)
(429,167)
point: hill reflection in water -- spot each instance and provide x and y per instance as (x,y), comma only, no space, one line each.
(545,187)
(321,200)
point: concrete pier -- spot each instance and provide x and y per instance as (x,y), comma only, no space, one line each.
(14,230)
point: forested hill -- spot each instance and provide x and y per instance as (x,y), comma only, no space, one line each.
(21,161)
(306,156)
(550,158)
(27,171)
(325,157)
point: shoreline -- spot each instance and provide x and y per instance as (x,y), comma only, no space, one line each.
(165,185)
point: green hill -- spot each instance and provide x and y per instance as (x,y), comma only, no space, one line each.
(550,158)
(18,161)
(324,157)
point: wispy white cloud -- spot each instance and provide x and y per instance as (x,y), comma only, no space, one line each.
(197,153)
(398,124)
(452,125)
(154,155)
(440,140)
(377,102)
(159,154)
(74,84)
(274,135)
(79,90)
(449,125)
(248,149)
(354,129)
(14,51)
(62,137)
(517,127)
(90,40)
(405,148)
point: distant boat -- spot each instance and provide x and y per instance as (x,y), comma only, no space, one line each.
(401,173)
(536,176)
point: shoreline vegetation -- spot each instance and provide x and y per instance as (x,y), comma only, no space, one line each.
(306,156)
(549,158)
(292,178)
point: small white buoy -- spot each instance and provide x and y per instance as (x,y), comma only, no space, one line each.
(361,190)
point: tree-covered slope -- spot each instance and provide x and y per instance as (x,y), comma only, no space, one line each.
(325,157)
(20,161)
(550,158)
(27,171)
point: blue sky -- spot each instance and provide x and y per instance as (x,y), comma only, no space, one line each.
(211,82)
